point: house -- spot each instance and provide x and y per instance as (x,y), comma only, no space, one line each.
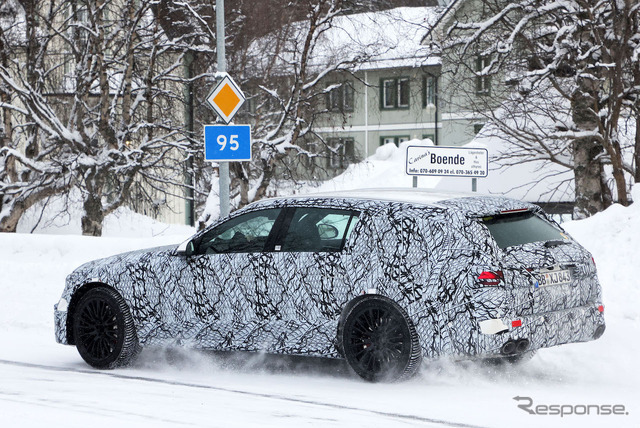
(402,91)
(407,88)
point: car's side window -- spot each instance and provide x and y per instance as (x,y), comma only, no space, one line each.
(318,229)
(247,233)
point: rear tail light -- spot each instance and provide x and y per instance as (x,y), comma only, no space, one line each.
(490,278)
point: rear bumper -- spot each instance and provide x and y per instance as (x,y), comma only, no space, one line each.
(547,329)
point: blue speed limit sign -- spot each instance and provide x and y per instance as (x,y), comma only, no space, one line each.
(227,143)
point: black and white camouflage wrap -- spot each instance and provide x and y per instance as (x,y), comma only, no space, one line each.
(426,257)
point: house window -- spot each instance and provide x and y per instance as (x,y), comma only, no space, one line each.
(395,93)
(429,85)
(341,152)
(79,16)
(340,98)
(389,95)
(483,81)
(68,83)
(394,140)
(403,92)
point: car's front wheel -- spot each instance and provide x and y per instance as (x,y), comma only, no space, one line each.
(378,339)
(103,329)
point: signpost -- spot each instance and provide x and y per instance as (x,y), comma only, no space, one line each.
(224,143)
(448,161)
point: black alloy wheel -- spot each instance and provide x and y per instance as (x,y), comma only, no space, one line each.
(379,340)
(103,329)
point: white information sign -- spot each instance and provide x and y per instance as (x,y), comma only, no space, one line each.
(447,161)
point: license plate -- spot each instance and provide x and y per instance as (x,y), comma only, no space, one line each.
(554,277)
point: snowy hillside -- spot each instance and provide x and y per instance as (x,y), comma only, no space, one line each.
(43,382)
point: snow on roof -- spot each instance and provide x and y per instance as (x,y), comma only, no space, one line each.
(370,40)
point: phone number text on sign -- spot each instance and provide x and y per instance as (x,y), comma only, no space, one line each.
(447,161)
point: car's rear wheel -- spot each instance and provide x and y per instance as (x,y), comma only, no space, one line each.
(103,329)
(378,340)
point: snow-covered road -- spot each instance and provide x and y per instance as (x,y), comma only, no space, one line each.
(45,384)
(38,386)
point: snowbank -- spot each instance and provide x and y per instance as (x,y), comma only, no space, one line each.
(32,272)
(532,182)
(62,215)
(385,168)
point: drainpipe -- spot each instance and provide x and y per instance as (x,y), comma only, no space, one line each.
(436,79)
(366,115)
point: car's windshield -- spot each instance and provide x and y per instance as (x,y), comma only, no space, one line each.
(521,228)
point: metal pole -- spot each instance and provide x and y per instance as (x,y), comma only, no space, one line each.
(435,88)
(223,169)
(188,118)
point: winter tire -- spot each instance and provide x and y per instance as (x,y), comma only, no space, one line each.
(103,330)
(378,340)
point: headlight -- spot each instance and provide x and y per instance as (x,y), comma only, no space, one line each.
(62,305)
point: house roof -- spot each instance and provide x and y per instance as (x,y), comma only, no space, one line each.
(436,28)
(363,41)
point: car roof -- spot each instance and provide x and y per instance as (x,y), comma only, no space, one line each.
(470,203)
(412,196)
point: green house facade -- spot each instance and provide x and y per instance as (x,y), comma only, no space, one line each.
(406,94)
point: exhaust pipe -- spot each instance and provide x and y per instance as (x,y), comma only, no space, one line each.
(522,345)
(508,348)
(513,347)
(599,332)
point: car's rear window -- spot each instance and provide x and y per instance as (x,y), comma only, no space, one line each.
(522,228)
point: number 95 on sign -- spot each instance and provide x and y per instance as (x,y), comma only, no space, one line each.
(227,143)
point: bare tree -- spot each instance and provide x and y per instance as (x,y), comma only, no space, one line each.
(27,173)
(278,66)
(102,94)
(568,68)
(289,87)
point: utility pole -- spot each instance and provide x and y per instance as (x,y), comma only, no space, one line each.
(223,169)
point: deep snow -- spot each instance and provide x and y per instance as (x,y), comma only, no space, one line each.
(532,181)
(208,390)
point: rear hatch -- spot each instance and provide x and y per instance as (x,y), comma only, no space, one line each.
(543,266)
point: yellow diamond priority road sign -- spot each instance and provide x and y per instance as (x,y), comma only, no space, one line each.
(226,99)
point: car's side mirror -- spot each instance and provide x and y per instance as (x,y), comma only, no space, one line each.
(187,248)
